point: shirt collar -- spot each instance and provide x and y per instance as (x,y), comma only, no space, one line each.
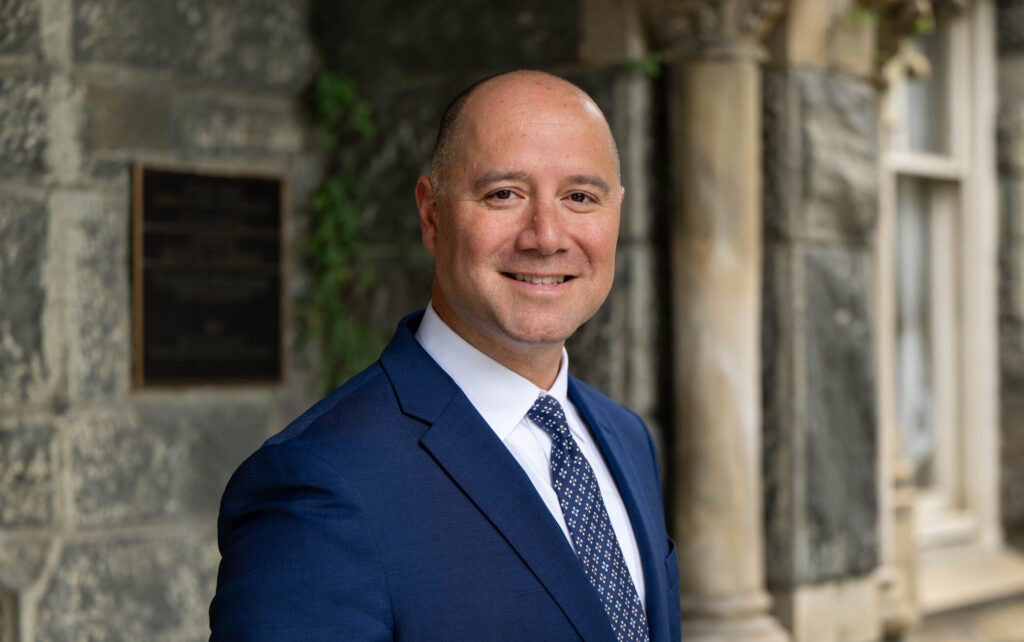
(501,396)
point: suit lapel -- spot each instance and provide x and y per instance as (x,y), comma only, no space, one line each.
(627,479)
(475,459)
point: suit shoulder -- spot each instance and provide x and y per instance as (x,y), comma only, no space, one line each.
(369,388)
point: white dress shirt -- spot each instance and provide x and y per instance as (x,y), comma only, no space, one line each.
(503,398)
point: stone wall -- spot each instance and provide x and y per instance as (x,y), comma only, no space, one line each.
(820,450)
(108,494)
(1011,268)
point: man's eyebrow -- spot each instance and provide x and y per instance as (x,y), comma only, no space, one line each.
(498,176)
(590,179)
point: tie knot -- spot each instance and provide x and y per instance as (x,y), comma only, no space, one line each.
(547,413)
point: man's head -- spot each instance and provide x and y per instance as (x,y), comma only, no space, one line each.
(522,215)
(449,133)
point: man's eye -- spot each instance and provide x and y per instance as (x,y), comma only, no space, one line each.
(579,197)
(502,194)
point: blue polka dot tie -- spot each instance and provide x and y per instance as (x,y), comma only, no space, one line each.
(589,526)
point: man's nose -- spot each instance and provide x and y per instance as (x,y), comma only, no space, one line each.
(545,230)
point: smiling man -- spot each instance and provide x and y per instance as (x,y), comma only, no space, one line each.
(465,486)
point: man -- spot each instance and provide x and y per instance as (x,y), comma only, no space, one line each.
(465,487)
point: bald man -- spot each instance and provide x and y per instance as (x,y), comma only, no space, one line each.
(466,486)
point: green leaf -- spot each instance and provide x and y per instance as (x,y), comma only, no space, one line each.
(649,65)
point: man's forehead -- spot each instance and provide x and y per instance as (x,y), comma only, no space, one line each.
(563,116)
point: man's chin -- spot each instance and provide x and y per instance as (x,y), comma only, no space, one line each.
(542,337)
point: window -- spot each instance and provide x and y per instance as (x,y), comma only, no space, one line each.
(936,285)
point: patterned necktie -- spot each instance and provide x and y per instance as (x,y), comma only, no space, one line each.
(589,525)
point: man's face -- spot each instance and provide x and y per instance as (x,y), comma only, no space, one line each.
(524,231)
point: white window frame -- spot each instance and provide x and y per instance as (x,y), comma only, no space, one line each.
(965,510)
(955,556)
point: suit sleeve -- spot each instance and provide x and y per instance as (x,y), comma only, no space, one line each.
(298,559)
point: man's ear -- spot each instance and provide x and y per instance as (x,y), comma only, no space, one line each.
(426,202)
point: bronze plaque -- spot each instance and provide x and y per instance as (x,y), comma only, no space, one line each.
(207,268)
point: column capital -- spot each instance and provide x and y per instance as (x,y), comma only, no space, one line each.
(715,29)
(901,18)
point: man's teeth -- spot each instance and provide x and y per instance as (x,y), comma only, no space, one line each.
(539,280)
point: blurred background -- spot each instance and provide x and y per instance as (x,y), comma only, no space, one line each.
(207,219)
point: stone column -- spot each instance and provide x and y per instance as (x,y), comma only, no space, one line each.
(716,264)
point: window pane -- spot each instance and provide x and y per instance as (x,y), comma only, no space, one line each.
(927,96)
(915,385)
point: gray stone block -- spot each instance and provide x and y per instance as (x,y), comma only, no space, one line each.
(138,487)
(819,399)
(388,165)
(19,27)
(223,127)
(24,226)
(23,560)
(131,587)
(392,39)
(820,447)
(820,155)
(615,350)
(842,450)
(8,616)
(174,458)
(23,134)
(1012,456)
(1010,24)
(1011,273)
(131,118)
(248,43)
(1011,202)
(1010,136)
(126,121)
(1011,354)
(94,256)
(1010,81)
(28,473)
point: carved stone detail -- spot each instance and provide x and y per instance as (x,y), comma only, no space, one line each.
(910,10)
(712,28)
(901,18)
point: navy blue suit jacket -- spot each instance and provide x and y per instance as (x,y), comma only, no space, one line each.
(391,511)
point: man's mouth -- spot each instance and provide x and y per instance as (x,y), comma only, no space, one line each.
(539,280)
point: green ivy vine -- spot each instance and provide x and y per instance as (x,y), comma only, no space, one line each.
(339,272)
